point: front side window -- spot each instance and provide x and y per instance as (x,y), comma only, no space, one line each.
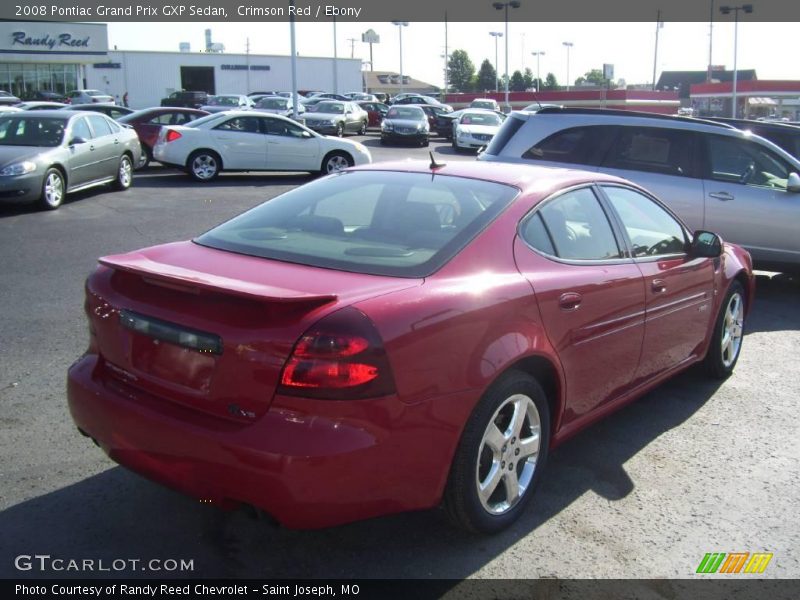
(80,129)
(374,222)
(574,227)
(651,229)
(746,162)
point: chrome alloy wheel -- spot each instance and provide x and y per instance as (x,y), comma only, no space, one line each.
(508,454)
(732,328)
(125,173)
(336,163)
(204,166)
(53,189)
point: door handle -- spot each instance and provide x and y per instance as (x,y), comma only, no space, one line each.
(724,196)
(116,142)
(570,301)
(658,286)
(91,148)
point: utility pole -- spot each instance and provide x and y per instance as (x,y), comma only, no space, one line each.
(659,25)
(247,52)
(352,47)
(445,55)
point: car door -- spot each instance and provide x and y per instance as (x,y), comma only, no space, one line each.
(664,161)
(590,295)
(107,148)
(352,117)
(747,200)
(289,146)
(241,143)
(679,288)
(81,156)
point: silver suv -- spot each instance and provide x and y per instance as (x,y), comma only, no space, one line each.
(714,176)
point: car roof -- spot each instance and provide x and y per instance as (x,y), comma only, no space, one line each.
(534,179)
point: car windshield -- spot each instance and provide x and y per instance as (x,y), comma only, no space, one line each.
(223,100)
(95,93)
(483,104)
(374,222)
(407,113)
(31,131)
(476,118)
(279,103)
(334,108)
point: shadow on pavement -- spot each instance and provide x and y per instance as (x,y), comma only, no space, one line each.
(117,514)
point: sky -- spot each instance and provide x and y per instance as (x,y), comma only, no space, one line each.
(770,48)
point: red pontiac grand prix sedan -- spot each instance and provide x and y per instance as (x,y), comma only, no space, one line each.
(398,336)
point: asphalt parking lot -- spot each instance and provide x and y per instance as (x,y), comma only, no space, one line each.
(693,467)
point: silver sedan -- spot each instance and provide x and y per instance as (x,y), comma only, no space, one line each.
(48,153)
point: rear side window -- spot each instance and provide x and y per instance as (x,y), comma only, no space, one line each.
(576,145)
(507,130)
(652,149)
(375,222)
(573,226)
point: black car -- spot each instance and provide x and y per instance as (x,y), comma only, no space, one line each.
(186,99)
(405,124)
(110,110)
(48,96)
(422,100)
(784,135)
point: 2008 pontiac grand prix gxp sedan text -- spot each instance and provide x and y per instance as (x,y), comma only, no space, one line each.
(399,335)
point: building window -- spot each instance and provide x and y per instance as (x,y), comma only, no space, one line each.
(24,80)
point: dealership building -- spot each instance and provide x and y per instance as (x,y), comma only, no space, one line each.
(60,57)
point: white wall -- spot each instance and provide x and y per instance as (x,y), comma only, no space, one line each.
(150,76)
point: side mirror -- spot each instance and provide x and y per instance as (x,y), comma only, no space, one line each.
(706,244)
(793,183)
(77,140)
(306,135)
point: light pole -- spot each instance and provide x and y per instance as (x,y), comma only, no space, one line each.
(293,46)
(502,6)
(726,10)
(538,73)
(335,61)
(496,35)
(567,45)
(400,25)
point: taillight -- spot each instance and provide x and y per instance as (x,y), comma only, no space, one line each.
(172,135)
(341,357)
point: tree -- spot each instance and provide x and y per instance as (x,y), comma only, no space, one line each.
(594,77)
(528,78)
(487,77)
(517,83)
(460,70)
(550,82)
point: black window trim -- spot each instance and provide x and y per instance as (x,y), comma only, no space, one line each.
(622,244)
(605,200)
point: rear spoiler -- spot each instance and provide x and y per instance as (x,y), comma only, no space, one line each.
(188,280)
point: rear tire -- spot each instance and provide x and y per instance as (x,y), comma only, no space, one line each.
(501,455)
(146,159)
(53,190)
(363,130)
(726,342)
(204,165)
(124,174)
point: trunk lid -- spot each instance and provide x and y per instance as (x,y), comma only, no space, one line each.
(211,329)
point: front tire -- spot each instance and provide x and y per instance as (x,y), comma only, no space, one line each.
(124,174)
(53,190)
(501,455)
(335,162)
(204,165)
(726,342)
(340,130)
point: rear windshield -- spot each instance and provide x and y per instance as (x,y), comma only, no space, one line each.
(374,222)
(507,130)
(30,131)
(407,113)
(223,100)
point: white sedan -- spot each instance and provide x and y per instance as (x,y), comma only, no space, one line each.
(247,141)
(475,128)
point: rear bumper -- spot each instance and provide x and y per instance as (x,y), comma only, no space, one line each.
(308,463)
